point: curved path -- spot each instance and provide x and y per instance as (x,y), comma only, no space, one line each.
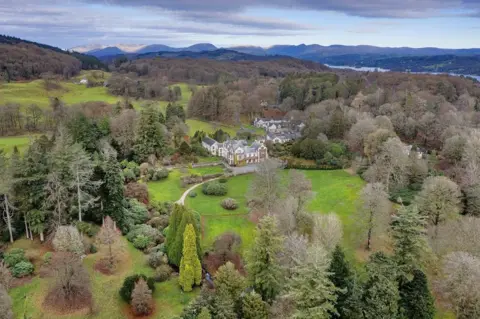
(181,201)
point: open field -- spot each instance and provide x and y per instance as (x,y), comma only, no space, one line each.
(208,127)
(7,144)
(34,92)
(169,299)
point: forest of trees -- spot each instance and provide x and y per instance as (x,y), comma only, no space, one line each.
(26,60)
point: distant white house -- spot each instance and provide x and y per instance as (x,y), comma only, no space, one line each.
(236,152)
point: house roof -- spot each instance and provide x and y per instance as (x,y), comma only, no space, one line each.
(209,141)
(275,114)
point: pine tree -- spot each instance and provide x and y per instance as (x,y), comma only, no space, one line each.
(190,267)
(341,275)
(112,196)
(175,247)
(310,288)
(263,266)
(253,307)
(228,278)
(204,314)
(174,223)
(416,300)
(381,296)
(409,239)
(224,306)
(141,298)
(150,134)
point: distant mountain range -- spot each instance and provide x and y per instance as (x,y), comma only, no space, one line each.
(308,52)
(461,61)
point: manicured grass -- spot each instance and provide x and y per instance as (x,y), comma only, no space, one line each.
(207,170)
(334,191)
(211,159)
(168,189)
(168,297)
(216,220)
(210,205)
(7,144)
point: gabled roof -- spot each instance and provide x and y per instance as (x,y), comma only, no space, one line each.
(209,141)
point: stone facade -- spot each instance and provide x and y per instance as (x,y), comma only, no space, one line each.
(237,152)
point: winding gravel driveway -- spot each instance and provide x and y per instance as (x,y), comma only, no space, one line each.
(181,201)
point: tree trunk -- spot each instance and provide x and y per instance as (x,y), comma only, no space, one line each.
(9,222)
(26,226)
(30,230)
(78,195)
(369,236)
(41,236)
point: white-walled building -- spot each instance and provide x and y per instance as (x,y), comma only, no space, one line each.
(237,152)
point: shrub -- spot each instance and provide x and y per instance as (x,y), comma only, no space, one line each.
(159,222)
(223,180)
(86,228)
(14,256)
(137,212)
(129,175)
(229,203)
(47,258)
(93,249)
(138,191)
(214,188)
(142,242)
(129,285)
(22,269)
(156,259)
(192,179)
(68,239)
(159,174)
(162,273)
(192,194)
(163,208)
(146,230)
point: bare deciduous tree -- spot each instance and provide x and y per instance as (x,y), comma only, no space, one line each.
(71,286)
(462,234)
(5,304)
(109,236)
(439,200)
(374,213)
(123,130)
(328,230)
(141,298)
(294,251)
(462,284)
(300,188)
(267,187)
(391,164)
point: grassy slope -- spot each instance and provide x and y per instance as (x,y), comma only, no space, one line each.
(207,127)
(169,299)
(168,189)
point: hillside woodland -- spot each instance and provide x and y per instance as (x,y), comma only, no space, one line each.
(26,60)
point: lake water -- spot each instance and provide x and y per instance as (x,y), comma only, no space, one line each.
(371,69)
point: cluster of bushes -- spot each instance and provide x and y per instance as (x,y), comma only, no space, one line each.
(156,174)
(324,153)
(214,188)
(144,236)
(136,213)
(18,263)
(131,171)
(88,229)
(191,179)
(229,203)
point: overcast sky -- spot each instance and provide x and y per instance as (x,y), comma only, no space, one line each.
(414,23)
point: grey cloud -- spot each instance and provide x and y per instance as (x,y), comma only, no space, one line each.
(363,8)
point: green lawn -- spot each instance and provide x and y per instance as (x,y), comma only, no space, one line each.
(168,297)
(168,189)
(21,142)
(207,170)
(216,220)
